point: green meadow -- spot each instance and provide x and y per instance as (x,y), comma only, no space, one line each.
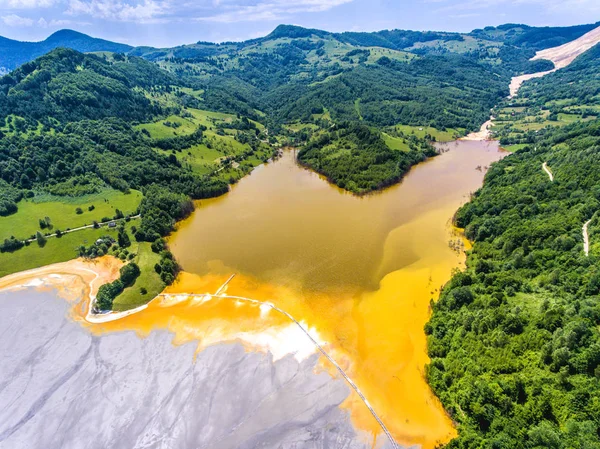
(395,143)
(61,211)
(55,250)
(440,136)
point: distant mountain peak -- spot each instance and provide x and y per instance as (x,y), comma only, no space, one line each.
(294,31)
(66,34)
(13,53)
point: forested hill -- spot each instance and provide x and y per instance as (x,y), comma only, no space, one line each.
(67,129)
(66,85)
(514,340)
(14,53)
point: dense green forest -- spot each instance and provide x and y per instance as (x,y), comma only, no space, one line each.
(423,78)
(356,158)
(514,340)
(67,86)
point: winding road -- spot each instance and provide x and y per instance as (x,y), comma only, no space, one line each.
(586,238)
(547,170)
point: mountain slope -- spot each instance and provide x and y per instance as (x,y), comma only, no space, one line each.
(67,85)
(13,53)
(565,54)
(514,340)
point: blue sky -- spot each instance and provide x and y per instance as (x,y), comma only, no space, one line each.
(174,22)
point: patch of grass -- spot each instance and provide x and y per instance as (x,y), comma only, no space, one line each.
(357,108)
(395,143)
(379,52)
(148,280)
(199,158)
(513,148)
(300,126)
(158,129)
(440,136)
(56,250)
(192,93)
(210,118)
(326,115)
(61,211)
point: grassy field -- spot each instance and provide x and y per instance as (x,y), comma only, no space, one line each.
(199,158)
(441,136)
(210,118)
(191,92)
(300,126)
(519,117)
(159,129)
(395,143)
(56,250)
(378,52)
(516,147)
(61,211)
(132,296)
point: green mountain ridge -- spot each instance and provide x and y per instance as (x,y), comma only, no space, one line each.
(13,53)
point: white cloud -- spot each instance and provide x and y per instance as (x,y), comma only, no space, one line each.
(555,6)
(223,11)
(13,20)
(260,10)
(120,10)
(56,23)
(26,4)
(466,15)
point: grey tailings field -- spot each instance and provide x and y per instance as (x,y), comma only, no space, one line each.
(61,387)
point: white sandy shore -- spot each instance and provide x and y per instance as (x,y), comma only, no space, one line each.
(484,132)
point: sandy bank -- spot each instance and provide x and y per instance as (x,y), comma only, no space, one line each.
(71,278)
(517,81)
(484,132)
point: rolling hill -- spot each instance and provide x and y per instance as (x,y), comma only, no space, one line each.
(13,53)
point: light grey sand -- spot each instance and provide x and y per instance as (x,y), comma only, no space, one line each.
(61,387)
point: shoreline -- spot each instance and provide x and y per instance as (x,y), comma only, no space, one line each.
(89,274)
(483,135)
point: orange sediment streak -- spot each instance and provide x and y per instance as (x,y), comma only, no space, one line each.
(75,280)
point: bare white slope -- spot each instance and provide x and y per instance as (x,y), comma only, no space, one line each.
(561,56)
(565,54)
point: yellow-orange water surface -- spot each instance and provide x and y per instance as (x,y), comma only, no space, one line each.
(359,271)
